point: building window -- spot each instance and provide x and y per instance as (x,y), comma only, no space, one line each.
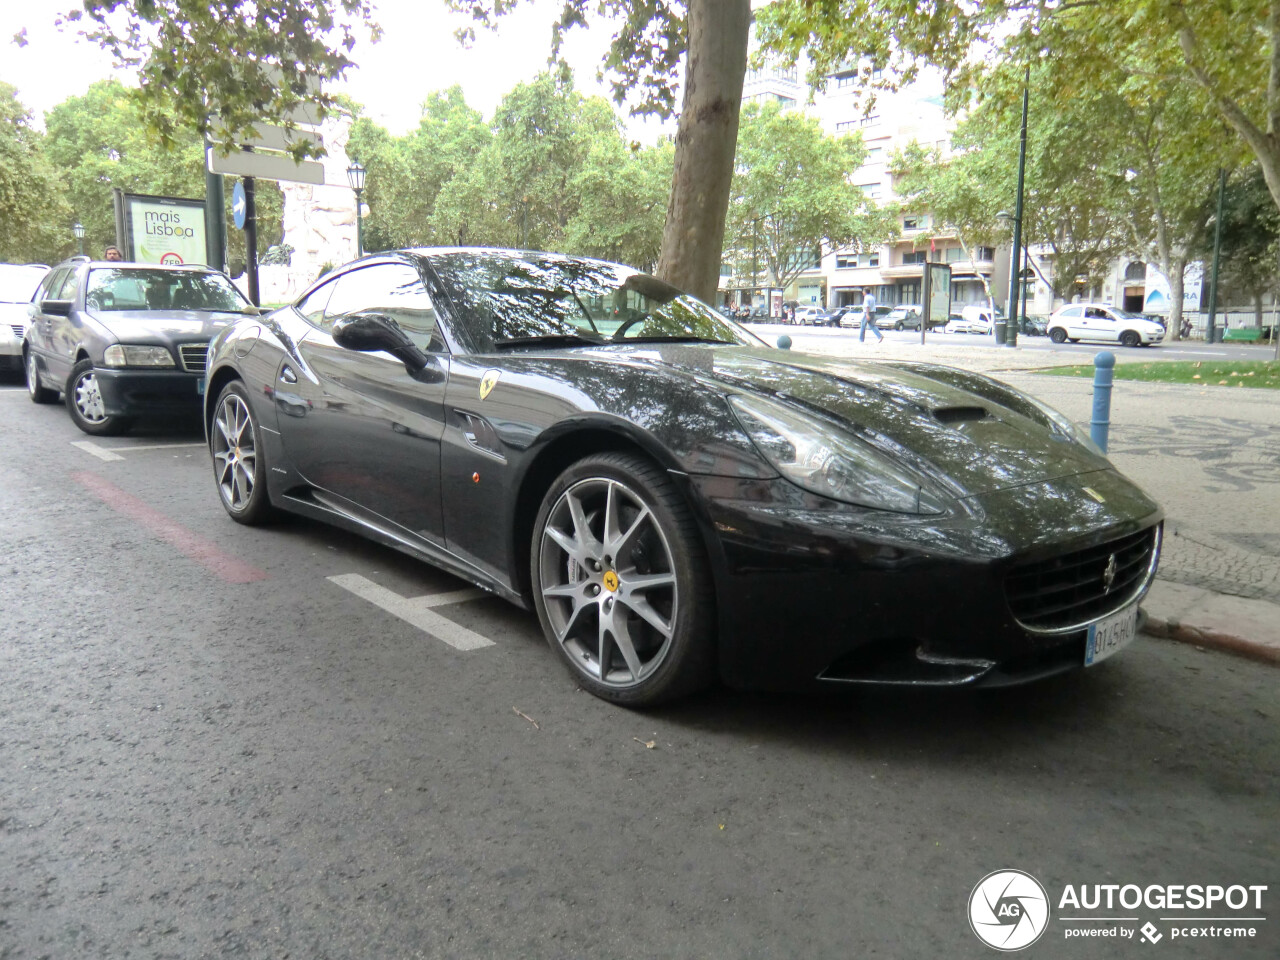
(846,125)
(916,256)
(952,254)
(910,223)
(851,80)
(845,260)
(869,260)
(871,190)
(986,254)
(869,121)
(1135,272)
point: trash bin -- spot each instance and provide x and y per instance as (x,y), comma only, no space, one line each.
(1001,332)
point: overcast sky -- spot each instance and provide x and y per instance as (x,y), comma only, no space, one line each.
(418,54)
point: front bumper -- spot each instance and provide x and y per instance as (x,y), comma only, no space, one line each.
(813,593)
(131,392)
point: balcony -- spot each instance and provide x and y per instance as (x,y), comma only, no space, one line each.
(902,271)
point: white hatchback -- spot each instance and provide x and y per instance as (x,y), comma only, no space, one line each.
(1101,321)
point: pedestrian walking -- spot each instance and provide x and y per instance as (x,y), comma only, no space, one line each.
(869,316)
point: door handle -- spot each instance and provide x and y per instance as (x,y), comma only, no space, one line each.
(287,375)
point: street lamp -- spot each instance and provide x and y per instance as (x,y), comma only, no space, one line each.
(355,177)
(1019,273)
(77,229)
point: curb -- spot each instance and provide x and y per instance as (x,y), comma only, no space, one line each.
(1212,640)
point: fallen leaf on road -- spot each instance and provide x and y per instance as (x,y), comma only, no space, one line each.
(648,744)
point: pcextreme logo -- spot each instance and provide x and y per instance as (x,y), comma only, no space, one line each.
(1010,910)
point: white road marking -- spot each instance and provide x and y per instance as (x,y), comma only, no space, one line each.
(91,448)
(161,446)
(417,610)
(109,454)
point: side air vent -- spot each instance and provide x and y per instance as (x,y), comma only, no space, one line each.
(960,414)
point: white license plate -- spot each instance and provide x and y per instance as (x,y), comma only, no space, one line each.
(200,386)
(1110,636)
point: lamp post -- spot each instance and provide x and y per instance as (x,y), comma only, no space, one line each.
(1015,275)
(355,177)
(1019,268)
(77,229)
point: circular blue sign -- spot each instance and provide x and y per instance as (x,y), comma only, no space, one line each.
(238,204)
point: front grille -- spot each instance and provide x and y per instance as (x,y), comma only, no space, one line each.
(18,330)
(1071,590)
(193,356)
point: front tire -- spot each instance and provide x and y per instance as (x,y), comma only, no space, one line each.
(239,463)
(621,583)
(35,390)
(1058,335)
(87,408)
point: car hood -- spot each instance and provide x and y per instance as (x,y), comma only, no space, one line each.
(11,313)
(165,324)
(966,437)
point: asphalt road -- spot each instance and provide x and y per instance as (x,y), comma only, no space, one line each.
(208,748)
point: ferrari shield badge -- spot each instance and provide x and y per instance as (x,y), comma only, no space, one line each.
(488,382)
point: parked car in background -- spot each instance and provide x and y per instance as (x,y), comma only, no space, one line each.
(852,317)
(905,316)
(122,340)
(18,282)
(971,319)
(1032,326)
(1102,321)
(590,443)
(810,314)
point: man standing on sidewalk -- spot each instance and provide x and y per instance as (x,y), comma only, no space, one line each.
(869,316)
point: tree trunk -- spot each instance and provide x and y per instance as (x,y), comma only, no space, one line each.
(706,140)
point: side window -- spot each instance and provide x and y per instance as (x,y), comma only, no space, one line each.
(52,281)
(70,285)
(1071,312)
(394,290)
(312,307)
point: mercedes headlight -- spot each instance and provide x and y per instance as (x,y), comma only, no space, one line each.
(825,461)
(125,355)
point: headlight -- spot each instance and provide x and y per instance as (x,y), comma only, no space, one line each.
(124,355)
(1063,426)
(823,461)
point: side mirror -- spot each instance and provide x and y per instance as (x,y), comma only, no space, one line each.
(784,342)
(369,332)
(60,308)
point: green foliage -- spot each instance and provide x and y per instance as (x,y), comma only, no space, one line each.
(98,141)
(244,61)
(793,193)
(36,218)
(1227,373)
(644,58)
(406,174)
(1250,234)
(622,196)
(519,190)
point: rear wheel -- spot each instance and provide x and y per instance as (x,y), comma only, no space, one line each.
(88,409)
(239,465)
(1130,338)
(620,581)
(37,392)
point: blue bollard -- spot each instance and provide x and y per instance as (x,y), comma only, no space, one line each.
(1103,370)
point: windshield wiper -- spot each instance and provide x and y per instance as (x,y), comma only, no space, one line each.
(550,340)
(679,339)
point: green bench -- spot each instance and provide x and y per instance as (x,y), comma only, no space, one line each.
(1249,334)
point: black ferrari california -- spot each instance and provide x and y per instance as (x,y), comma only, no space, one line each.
(675,498)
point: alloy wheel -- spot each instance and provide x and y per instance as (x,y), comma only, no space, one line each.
(234,453)
(88,398)
(608,582)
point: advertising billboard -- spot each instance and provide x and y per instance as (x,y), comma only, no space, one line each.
(1157,298)
(937,303)
(164,229)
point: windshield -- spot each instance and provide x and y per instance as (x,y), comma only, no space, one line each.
(159,289)
(510,300)
(18,284)
(1126,315)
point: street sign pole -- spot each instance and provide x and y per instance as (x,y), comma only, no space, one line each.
(1217,253)
(215,231)
(251,239)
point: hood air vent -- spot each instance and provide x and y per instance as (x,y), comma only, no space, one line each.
(959,414)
